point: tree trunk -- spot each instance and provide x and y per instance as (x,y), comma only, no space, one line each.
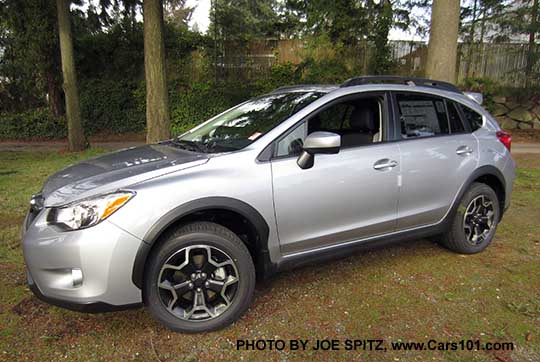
(76,139)
(483,27)
(443,35)
(471,42)
(157,103)
(531,52)
(55,96)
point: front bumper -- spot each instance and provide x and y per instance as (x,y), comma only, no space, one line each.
(91,307)
(86,270)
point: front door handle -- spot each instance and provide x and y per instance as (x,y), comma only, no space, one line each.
(464,151)
(384,164)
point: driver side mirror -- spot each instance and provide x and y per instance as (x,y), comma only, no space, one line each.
(318,142)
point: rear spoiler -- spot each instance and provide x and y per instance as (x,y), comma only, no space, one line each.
(477,97)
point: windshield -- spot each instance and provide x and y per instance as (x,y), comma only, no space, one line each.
(242,125)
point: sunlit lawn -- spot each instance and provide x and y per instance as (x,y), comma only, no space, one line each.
(413,291)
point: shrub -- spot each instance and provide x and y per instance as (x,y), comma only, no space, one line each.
(192,105)
(37,123)
(281,74)
(111,106)
(118,106)
(106,106)
(487,87)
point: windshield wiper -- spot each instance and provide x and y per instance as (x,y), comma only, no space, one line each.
(190,145)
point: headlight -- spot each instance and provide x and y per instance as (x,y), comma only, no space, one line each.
(89,212)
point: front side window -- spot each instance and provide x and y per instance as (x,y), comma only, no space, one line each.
(242,125)
(358,122)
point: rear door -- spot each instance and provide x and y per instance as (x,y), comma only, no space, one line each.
(438,153)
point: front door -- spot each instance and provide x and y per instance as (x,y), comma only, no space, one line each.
(346,196)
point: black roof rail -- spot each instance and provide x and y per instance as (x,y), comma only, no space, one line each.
(412,81)
(301,86)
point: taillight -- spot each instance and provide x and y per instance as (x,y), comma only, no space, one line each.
(505,138)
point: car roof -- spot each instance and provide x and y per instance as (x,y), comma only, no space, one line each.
(380,81)
(387,83)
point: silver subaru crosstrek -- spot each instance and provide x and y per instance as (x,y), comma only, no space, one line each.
(302,174)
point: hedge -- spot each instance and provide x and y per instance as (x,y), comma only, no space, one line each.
(38,123)
(115,107)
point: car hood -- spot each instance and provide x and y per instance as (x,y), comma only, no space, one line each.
(116,170)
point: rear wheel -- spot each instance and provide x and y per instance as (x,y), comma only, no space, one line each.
(475,221)
(202,278)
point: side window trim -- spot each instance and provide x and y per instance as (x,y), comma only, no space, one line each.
(396,118)
(447,113)
(387,121)
(466,124)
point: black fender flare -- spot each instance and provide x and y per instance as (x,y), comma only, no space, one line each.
(207,203)
(487,170)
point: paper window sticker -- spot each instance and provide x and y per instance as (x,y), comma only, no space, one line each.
(254,136)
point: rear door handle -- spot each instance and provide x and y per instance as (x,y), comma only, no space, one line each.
(384,164)
(464,151)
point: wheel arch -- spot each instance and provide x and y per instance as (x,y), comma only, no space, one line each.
(207,209)
(489,175)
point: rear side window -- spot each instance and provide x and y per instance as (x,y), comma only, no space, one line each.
(424,115)
(421,115)
(473,118)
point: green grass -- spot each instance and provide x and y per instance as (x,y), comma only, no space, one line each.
(413,291)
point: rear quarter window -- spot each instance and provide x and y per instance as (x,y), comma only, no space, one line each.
(473,118)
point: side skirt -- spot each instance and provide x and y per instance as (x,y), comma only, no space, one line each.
(345,249)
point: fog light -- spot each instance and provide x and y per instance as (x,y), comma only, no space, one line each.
(76,277)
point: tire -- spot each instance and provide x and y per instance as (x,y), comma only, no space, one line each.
(460,237)
(200,260)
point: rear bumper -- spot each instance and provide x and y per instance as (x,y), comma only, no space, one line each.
(509,173)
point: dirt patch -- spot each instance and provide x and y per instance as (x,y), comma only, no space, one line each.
(99,137)
(30,308)
(8,220)
(124,137)
(525,135)
(527,160)
(47,323)
(12,275)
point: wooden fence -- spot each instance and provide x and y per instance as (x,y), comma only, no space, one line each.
(503,63)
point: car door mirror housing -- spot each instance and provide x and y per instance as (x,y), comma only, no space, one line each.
(318,142)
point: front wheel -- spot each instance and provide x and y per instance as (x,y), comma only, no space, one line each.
(475,221)
(201,279)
